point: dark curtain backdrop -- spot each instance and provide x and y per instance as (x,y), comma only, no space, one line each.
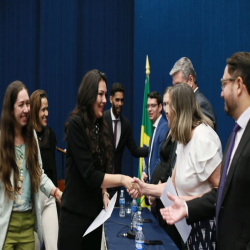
(207,32)
(52,44)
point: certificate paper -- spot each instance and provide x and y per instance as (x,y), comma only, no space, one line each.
(183,228)
(102,217)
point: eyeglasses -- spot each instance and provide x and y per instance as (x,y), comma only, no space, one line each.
(151,105)
(223,82)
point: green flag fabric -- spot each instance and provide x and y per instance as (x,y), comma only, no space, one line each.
(146,130)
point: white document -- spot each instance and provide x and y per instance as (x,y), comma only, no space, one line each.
(102,217)
(183,228)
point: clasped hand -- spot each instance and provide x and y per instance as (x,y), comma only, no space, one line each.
(135,188)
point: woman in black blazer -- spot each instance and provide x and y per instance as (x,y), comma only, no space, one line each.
(88,160)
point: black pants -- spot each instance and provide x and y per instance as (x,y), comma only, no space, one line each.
(72,226)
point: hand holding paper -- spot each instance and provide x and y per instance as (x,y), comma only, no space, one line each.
(102,217)
(176,213)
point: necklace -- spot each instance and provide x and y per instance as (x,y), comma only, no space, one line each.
(19,156)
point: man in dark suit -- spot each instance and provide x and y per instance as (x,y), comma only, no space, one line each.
(183,72)
(230,203)
(160,129)
(120,132)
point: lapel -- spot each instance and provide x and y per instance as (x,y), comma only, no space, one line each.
(156,131)
(197,92)
(110,125)
(244,140)
(122,131)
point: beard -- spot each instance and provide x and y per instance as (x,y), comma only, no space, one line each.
(230,106)
(114,109)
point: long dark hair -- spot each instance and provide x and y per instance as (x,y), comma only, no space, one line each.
(86,97)
(7,145)
(35,105)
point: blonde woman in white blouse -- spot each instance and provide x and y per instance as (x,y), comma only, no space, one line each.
(199,155)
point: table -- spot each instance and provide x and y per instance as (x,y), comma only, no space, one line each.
(151,231)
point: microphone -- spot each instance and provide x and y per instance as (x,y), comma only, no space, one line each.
(131,233)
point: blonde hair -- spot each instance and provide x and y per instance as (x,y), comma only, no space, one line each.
(185,113)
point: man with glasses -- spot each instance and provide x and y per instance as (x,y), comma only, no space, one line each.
(183,72)
(230,202)
(160,129)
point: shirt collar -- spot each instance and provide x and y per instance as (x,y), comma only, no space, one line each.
(244,118)
(113,117)
(157,121)
(195,89)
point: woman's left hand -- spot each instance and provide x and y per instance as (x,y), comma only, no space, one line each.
(59,197)
(105,201)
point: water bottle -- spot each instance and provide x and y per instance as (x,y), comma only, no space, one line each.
(133,211)
(139,239)
(135,220)
(122,204)
(133,208)
(139,220)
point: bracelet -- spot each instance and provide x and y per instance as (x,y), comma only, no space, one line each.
(56,192)
(106,194)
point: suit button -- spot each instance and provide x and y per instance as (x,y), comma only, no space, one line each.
(215,204)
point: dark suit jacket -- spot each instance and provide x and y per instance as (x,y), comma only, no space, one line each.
(206,107)
(160,136)
(82,193)
(126,139)
(234,217)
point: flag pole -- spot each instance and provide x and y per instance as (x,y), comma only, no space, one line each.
(147,67)
(146,127)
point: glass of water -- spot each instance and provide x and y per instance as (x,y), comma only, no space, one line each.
(128,207)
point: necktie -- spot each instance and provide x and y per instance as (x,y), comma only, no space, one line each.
(115,132)
(224,174)
(150,148)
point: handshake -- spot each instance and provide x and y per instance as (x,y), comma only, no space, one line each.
(134,186)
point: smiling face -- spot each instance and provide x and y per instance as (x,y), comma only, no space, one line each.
(166,107)
(117,103)
(100,102)
(21,109)
(154,110)
(43,113)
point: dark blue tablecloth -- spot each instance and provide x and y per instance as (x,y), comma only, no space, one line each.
(152,231)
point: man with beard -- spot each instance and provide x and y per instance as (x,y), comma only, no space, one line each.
(120,132)
(230,203)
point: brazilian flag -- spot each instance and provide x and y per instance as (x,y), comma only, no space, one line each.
(146,130)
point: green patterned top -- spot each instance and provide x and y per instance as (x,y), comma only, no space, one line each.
(22,200)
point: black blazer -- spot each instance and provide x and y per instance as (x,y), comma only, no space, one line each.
(234,217)
(47,144)
(83,193)
(126,139)
(206,107)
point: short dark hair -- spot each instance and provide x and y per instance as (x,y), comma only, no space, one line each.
(155,95)
(239,65)
(117,87)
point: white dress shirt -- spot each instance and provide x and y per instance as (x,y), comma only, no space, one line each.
(118,131)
